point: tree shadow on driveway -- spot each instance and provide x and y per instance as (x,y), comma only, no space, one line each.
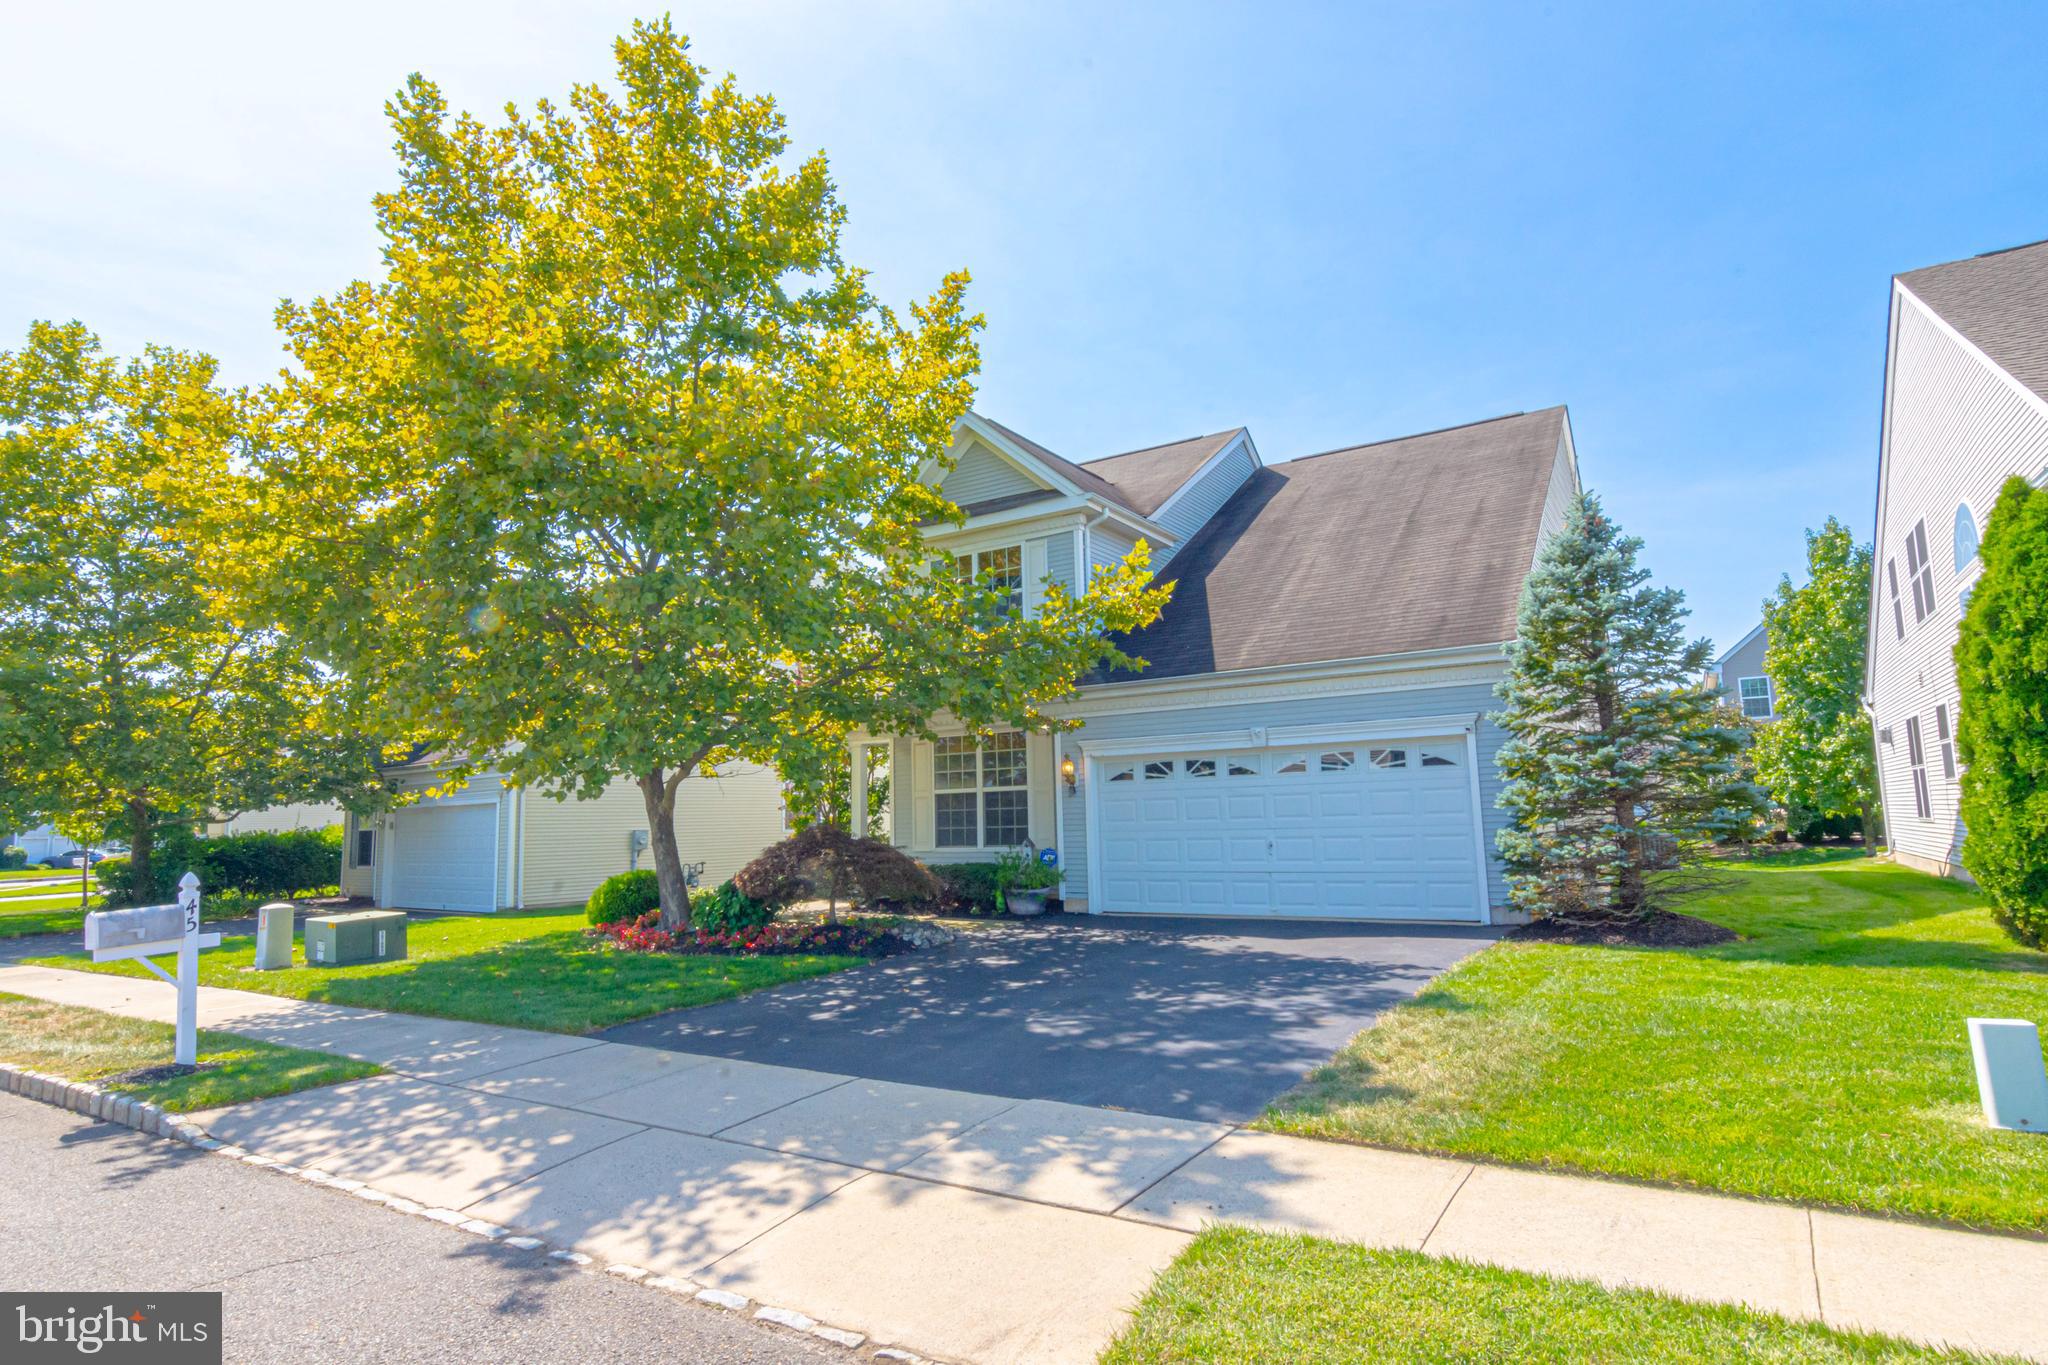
(1201,1019)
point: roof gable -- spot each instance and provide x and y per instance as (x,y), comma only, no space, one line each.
(1148,478)
(1413,544)
(1999,302)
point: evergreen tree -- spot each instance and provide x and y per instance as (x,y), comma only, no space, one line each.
(1816,756)
(2002,670)
(1618,763)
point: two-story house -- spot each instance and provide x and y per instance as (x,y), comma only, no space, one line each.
(1310,736)
(1739,676)
(1965,408)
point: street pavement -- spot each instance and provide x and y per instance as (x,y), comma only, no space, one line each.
(310,1274)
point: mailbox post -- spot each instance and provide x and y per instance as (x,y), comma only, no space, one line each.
(152,931)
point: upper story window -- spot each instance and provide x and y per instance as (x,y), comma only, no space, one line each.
(1966,537)
(1920,572)
(1891,578)
(1002,569)
(1755,694)
(980,798)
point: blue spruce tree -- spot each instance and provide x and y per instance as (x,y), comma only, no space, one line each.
(1617,765)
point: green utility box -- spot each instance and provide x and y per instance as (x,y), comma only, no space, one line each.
(362,936)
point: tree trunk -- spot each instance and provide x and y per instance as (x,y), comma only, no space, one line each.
(668,857)
(1869,827)
(141,851)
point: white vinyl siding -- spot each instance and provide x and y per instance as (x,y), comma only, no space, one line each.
(1557,498)
(279,818)
(723,822)
(1188,510)
(1956,429)
(982,474)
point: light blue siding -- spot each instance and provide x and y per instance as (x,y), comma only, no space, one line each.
(1462,699)
(1206,496)
(1107,548)
(1059,560)
(983,474)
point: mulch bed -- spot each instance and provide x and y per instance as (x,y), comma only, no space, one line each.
(1659,930)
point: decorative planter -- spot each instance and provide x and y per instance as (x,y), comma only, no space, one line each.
(1025,904)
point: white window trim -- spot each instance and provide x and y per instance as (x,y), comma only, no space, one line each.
(979,790)
(1770,697)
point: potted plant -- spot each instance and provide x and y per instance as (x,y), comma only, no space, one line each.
(1023,883)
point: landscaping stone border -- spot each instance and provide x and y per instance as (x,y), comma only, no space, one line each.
(81,1097)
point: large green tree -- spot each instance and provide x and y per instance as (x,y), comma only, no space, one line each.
(614,471)
(2002,721)
(135,693)
(1618,762)
(1816,756)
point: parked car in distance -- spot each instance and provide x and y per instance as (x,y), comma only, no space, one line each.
(77,857)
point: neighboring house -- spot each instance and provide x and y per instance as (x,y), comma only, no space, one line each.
(39,843)
(1965,408)
(489,847)
(1739,677)
(300,815)
(1310,737)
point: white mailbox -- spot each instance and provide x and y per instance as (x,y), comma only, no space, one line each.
(118,933)
(151,930)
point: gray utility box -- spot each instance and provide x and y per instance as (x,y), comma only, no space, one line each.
(362,936)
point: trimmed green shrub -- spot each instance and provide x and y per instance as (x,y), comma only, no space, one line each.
(174,851)
(2002,672)
(967,888)
(280,863)
(727,910)
(627,896)
(13,858)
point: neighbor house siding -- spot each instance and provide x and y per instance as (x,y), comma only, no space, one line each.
(982,474)
(1188,510)
(278,818)
(1363,707)
(1745,661)
(1956,429)
(570,845)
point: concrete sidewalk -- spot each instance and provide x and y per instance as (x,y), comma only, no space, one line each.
(971,1227)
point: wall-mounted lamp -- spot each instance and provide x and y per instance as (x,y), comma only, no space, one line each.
(1067,772)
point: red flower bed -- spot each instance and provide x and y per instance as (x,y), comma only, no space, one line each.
(858,938)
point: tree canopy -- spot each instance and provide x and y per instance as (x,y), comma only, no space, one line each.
(135,693)
(615,471)
(1816,756)
(1618,762)
(2002,720)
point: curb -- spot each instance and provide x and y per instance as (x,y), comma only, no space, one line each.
(107,1106)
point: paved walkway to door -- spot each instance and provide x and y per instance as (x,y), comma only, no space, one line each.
(1193,1018)
(972,1227)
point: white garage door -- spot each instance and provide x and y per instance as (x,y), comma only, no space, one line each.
(1379,830)
(439,858)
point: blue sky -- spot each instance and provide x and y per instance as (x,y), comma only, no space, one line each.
(1331,224)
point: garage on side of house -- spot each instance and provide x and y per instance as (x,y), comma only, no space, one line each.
(488,846)
(1308,736)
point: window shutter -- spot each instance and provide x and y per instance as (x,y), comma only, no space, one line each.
(923,820)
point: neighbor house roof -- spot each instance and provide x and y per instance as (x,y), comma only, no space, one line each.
(2000,302)
(1147,478)
(1411,544)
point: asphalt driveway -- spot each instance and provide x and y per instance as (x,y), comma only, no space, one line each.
(1205,1019)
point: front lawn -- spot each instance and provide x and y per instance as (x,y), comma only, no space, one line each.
(1823,1058)
(527,969)
(1236,1295)
(89,1045)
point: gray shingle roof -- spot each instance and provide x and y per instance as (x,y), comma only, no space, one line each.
(2000,302)
(1094,483)
(1410,544)
(1148,477)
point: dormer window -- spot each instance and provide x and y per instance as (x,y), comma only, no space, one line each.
(1000,569)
